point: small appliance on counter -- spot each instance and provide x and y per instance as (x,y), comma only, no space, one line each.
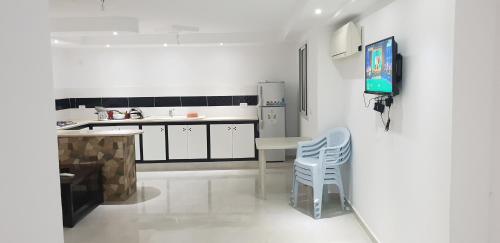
(116,115)
(102,113)
(136,113)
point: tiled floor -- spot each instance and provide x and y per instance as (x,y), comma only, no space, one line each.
(215,206)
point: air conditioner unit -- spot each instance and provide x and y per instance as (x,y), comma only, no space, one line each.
(346,41)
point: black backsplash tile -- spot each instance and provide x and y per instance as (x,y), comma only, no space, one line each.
(62,104)
(220,100)
(194,101)
(167,101)
(72,102)
(249,99)
(173,101)
(115,102)
(88,102)
(141,102)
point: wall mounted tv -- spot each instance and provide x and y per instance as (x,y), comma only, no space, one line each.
(383,68)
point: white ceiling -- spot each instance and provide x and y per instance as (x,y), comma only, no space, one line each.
(228,21)
(211,16)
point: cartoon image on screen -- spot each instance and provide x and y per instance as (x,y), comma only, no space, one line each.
(377,59)
(378,67)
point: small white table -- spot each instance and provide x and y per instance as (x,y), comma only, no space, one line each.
(264,144)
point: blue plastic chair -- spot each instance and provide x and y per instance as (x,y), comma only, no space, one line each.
(318,163)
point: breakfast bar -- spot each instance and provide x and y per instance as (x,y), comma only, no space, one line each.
(113,150)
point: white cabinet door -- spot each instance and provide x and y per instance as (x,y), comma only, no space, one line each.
(197,142)
(221,141)
(243,141)
(177,142)
(137,139)
(153,140)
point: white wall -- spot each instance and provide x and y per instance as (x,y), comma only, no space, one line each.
(177,71)
(494,224)
(401,179)
(324,94)
(473,124)
(29,179)
(171,71)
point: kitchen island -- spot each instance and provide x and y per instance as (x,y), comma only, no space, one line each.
(114,150)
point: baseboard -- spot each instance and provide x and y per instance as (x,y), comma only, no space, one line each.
(224,165)
(361,221)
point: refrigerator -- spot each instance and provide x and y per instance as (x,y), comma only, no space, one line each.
(271,113)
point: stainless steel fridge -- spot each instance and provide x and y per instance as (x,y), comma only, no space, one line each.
(271,113)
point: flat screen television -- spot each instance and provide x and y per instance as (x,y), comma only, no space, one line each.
(382,67)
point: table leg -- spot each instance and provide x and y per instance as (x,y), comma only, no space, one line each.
(262,173)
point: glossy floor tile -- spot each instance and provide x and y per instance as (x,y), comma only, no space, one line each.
(215,206)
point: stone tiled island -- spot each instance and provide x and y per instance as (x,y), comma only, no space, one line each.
(114,150)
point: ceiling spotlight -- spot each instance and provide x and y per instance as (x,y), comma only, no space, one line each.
(221,44)
(108,46)
(56,41)
(165,44)
(115,33)
(318,11)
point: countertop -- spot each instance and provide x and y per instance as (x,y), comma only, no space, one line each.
(156,119)
(279,143)
(92,133)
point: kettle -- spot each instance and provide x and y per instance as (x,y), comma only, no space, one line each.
(136,113)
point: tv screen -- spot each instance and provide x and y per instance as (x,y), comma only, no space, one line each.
(380,67)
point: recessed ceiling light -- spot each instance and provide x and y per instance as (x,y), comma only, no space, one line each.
(108,45)
(318,11)
(115,33)
(221,44)
(165,44)
(56,41)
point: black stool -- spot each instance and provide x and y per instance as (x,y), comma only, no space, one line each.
(80,194)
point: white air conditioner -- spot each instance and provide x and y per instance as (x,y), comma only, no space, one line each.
(346,41)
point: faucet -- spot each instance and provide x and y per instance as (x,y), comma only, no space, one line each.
(171,112)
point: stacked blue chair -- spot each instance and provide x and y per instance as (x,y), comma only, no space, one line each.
(318,163)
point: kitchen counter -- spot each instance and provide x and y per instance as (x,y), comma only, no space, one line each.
(158,119)
(91,133)
(165,139)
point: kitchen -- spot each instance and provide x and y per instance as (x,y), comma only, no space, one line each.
(186,113)
(157,121)
(192,101)
(160,106)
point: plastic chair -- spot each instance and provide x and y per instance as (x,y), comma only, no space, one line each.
(318,163)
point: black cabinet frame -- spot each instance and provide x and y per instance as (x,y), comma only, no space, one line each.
(166,124)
